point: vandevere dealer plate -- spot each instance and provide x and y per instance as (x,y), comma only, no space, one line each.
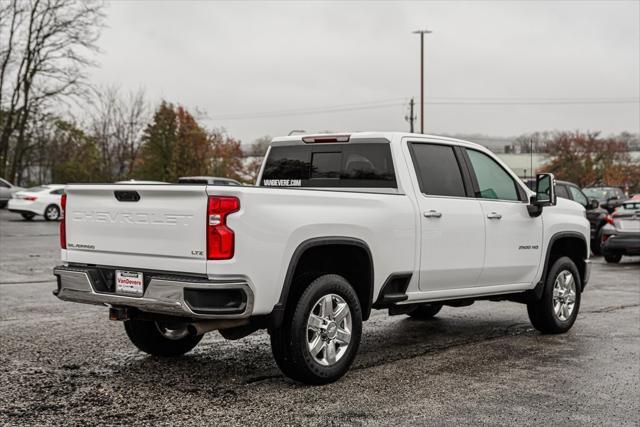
(129,283)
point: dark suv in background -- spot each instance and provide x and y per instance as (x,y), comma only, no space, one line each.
(596,214)
(609,197)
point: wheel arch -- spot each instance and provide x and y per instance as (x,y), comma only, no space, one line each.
(571,244)
(312,257)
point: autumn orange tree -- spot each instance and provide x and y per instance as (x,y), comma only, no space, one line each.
(589,159)
(191,151)
(174,144)
(226,156)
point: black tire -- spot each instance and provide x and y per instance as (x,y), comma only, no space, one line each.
(52,213)
(542,314)
(289,342)
(613,259)
(28,216)
(3,204)
(147,337)
(426,311)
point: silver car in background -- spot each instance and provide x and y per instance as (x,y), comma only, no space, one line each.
(621,234)
(6,192)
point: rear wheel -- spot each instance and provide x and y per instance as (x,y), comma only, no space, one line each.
(3,204)
(52,213)
(558,308)
(426,311)
(161,338)
(613,259)
(28,215)
(320,335)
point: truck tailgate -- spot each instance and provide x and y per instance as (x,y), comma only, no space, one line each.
(161,227)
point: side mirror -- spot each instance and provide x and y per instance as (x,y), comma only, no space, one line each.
(545,190)
(545,194)
(593,204)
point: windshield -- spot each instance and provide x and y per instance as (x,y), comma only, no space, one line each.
(599,193)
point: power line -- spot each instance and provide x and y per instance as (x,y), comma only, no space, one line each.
(459,101)
(540,102)
(309,110)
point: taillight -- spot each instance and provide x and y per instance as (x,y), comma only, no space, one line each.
(30,198)
(63,222)
(608,219)
(220,238)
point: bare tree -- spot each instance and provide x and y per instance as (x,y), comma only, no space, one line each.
(46,47)
(116,123)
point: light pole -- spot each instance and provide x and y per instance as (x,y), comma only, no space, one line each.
(422,33)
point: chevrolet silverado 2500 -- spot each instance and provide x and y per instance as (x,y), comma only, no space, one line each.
(337,225)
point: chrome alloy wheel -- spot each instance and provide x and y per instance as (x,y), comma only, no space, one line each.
(329,329)
(171,332)
(564,295)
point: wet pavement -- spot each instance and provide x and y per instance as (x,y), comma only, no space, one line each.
(65,363)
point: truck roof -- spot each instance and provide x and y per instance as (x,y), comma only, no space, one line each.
(368,136)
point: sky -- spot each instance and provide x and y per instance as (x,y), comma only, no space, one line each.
(498,68)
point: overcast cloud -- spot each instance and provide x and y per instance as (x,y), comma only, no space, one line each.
(242,59)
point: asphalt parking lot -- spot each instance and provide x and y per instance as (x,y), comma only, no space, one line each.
(64,363)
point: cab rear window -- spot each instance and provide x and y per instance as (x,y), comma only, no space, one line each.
(363,165)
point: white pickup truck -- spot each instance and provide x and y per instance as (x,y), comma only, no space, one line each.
(337,225)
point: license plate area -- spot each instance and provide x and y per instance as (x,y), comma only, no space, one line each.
(129,283)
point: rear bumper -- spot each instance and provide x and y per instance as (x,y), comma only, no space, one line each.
(622,244)
(163,295)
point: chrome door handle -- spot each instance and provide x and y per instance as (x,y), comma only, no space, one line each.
(432,214)
(494,215)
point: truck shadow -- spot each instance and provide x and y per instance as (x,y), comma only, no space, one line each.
(217,364)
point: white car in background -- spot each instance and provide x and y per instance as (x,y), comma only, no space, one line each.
(7,190)
(41,200)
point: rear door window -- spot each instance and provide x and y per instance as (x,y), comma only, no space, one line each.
(437,169)
(350,165)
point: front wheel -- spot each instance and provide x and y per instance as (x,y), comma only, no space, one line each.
(320,336)
(613,259)
(558,308)
(160,338)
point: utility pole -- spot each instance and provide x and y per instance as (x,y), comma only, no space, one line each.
(422,33)
(411,117)
(531,157)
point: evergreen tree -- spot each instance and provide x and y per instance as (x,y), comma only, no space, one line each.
(157,146)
